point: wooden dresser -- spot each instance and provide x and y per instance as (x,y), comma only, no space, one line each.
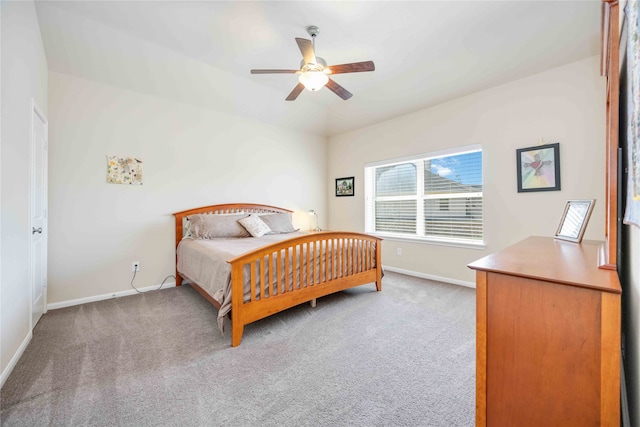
(547,336)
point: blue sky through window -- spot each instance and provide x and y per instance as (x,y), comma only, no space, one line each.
(464,168)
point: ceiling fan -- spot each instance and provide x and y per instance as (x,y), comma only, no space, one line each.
(314,71)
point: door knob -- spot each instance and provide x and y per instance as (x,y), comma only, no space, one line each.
(36,230)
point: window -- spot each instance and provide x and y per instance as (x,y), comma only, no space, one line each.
(433,197)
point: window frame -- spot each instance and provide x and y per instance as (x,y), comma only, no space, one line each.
(420,197)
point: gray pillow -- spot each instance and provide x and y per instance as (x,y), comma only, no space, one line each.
(212,226)
(279,223)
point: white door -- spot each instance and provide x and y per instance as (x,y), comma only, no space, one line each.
(38,203)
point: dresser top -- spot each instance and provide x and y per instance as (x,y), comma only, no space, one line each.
(559,261)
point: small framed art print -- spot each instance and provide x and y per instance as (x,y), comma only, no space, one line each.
(344,186)
(538,168)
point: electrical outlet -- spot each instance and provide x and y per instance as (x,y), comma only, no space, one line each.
(399,251)
(135,266)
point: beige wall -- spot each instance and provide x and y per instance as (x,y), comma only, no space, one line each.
(192,157)
(564,105)
(23,78)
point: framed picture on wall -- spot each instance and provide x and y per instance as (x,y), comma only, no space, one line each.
(538,168)
(344,186)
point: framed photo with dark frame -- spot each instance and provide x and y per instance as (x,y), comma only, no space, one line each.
(538,168)
(344,186)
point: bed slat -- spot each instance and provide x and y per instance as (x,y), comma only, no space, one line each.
(254,294)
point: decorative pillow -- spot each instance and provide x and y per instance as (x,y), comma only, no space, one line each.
(254,225)
(186,228)
(279,223)
(213,226)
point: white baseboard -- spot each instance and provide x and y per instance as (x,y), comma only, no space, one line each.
(15,358)
(430,276)
(102,297)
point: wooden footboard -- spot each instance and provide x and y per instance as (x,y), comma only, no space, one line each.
(288,273)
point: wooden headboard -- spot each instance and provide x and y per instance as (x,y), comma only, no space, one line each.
(227,208)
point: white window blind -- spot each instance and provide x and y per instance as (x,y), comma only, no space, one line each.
(432,197)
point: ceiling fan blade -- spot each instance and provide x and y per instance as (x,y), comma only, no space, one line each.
(355,67)
(295,92)
(338,90)
(274,71)
(306,47)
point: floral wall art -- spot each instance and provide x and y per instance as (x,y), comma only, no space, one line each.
(124,170)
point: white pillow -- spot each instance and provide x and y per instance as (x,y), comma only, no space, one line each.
(186,228)
(254,225)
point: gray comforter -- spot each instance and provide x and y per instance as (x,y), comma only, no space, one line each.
(205,262)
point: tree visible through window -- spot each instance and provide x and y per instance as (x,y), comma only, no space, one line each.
(437,197)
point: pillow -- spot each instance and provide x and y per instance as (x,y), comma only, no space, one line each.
(213,226)
(186,228)
(186,224)
(279,223)
(254,225)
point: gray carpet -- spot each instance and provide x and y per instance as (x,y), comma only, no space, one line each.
(405,357)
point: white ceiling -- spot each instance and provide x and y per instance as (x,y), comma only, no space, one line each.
(425,52)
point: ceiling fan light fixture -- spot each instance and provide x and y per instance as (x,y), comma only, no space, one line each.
(313,80)
(313,72)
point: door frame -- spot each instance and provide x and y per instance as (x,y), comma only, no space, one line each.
(36,110)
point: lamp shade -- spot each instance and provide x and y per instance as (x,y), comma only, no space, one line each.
(313,80)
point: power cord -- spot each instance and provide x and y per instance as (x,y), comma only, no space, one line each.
(150,290)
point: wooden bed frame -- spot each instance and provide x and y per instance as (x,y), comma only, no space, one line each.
(357,261)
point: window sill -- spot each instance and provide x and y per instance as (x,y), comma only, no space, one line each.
(430,241)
